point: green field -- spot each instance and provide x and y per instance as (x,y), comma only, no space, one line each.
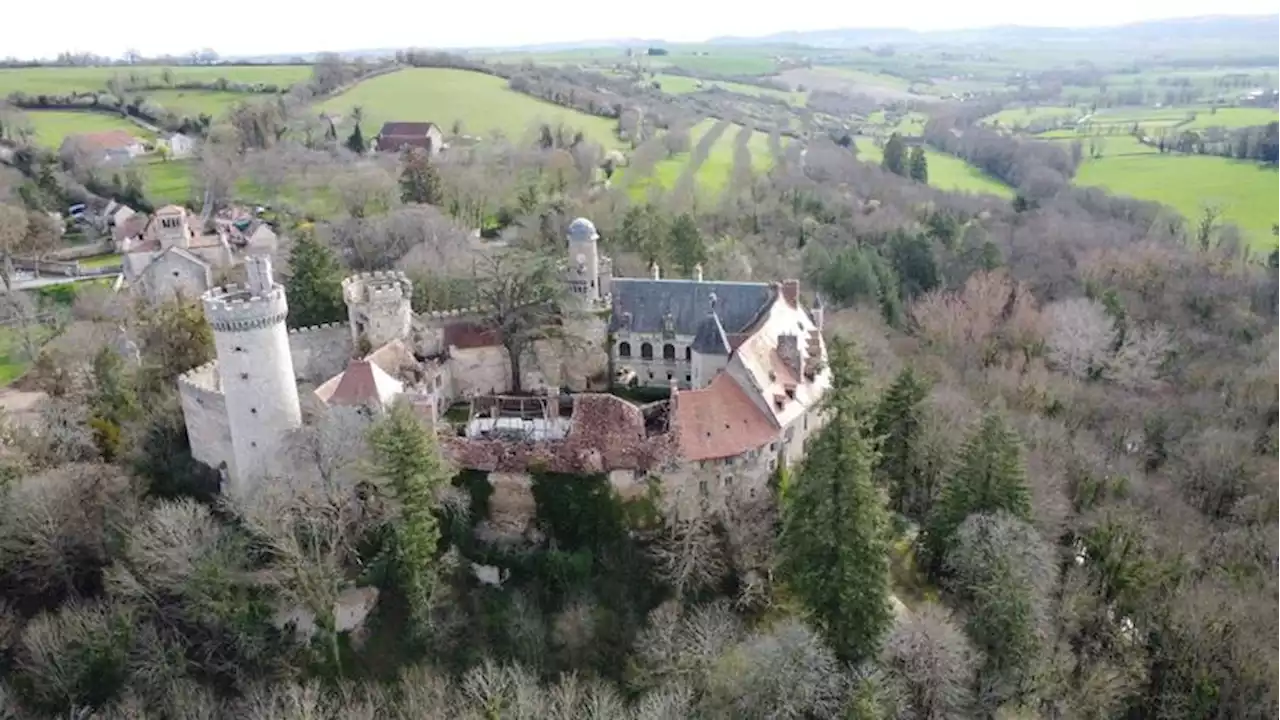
(1023,116)
(194,102)
(166,182)
(946,172)
(712,175)
(482,103)
(1231,118)
(61,80)
(682,85)
(53,126)
(1247,194)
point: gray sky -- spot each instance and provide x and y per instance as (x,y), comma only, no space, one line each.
(238,27)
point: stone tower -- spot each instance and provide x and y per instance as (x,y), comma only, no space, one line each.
(584,261)
(378,305)
(255,370)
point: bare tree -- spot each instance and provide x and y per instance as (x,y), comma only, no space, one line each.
(66,658)
(217,169)
(368,190)
(681,646)
(689,555)
(1136,364)
(931,659)
(333,445)
(522,296)
(1080,336)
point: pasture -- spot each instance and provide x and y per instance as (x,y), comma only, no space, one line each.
(1231,118)
(481,103)
(1017,117)
(62,80)
(712,176)
(946,172)
(166,182)
(1247,194)
(53,126)
(682,85)
(192,103)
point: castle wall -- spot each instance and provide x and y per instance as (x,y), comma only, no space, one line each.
(172,274)
(692,486)
(320,352)
(204,409)
(479,371)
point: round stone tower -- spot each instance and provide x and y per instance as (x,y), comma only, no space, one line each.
(378,305)
(255,371)
(584,260)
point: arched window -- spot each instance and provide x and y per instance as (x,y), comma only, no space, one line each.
(646,351)
(688,353)
(668,352)
(624,349)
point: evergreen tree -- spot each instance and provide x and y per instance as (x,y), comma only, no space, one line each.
(919,165)
(355,141)
(834,543)
(685,241)
(897,424)
(113,403)
(315,283)
(407,462)
(420,180)
(914,260)
(895,160)
(991,478)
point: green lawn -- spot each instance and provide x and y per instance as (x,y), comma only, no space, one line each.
(1022,116)
(53,126)
(682,85)
(1231,118)
(1247,194)
(166,182)
(482,103)
(946,172)
(194,102)
(100,261)
(714,173)
(60,80)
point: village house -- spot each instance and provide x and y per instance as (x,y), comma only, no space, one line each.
(396,136)
(110,146)
(744,365)
(180,146)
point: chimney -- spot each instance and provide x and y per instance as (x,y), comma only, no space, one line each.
(654,271)
(789,351)
(791,292)
(259,271)
(818,312)
(697,272)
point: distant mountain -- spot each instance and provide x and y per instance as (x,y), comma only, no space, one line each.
(1241,29)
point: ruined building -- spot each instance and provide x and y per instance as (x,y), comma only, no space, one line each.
(745,364)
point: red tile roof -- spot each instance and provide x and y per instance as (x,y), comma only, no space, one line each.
(358,386)
(720,421)
(108,140)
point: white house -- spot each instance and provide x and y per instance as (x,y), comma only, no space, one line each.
(180,146)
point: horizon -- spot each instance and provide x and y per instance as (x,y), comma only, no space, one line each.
(228,35)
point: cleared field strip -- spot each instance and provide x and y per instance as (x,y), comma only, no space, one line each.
(946,172)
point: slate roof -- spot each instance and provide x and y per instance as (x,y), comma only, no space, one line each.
(649,301)
(710,338)
(411,129)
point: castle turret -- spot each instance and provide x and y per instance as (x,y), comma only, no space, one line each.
(709,351)
(255,371)
(378,305)
(584,261)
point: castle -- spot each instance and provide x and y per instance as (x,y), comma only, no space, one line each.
(744,363)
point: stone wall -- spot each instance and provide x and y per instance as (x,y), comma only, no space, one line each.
(320,352)
(172,274)
(204,409)
(656,371)
(690,486)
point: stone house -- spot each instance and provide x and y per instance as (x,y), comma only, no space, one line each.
(180,146)
(170,253)
(396,136)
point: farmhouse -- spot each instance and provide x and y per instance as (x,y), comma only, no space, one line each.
(180,146)
(748,402)
(109,146)
(396,136)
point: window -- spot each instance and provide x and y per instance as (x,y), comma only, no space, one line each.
(688,354)
(175,273)
(669,377)
(646,351)
(624,349)
(253,411)
(668,352)
(688,378)
(728,481)
(702,488)
(244,376)
(238,349)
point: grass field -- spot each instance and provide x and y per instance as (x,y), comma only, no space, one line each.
(52,126)
(1247,194)
(1231,118)
(59,80)
(195,102)
(166,182)
(1023,116)
(681,85)
(714,173)
(482,103)
(946,172)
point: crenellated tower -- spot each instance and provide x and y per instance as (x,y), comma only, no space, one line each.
(255,371)
(379,307)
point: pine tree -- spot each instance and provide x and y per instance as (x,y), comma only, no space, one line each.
(897,424)
(919,165)
(685,241)
(407,462)
(315,283)
(834,543)
(113,403)
(420,180)
(355,141)
(991,478)
(895,156)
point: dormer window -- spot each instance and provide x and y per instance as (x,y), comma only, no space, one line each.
(668,324)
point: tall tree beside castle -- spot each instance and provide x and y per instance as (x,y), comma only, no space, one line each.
(895,156)
(897,424)
(407,462)
(991,479)
(521,295)
(315,283)
(419,179)
(834,544)
(918,165)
